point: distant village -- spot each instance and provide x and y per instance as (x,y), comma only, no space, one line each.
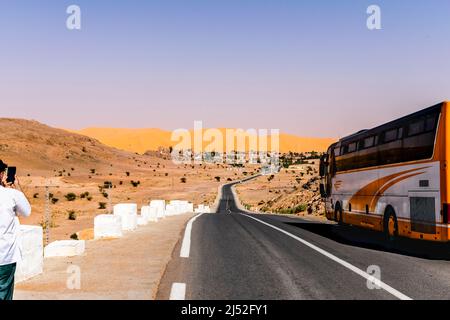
(237,158)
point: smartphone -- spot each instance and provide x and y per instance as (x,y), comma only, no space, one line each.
(11,175)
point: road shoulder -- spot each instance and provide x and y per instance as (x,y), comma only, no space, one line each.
(126,268)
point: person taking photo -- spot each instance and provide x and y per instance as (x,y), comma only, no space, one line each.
(13,204)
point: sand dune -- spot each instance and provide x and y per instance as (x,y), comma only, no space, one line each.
(142,140)
(133,140)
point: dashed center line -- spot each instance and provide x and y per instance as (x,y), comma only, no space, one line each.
(178,291)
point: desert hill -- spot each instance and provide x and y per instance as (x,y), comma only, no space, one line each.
(142,140)
(75,167)
(33,146)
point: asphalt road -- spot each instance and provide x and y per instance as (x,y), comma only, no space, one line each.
(233,256)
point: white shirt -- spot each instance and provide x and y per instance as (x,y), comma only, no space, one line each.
(12,205)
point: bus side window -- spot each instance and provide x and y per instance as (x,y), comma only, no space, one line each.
(418,144)
(344,149)
(390,135)
(416,128)
(430,123)
(361,145)
(352,147)
(369,142)
(337,152)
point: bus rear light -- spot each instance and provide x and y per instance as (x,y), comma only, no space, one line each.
(445,213)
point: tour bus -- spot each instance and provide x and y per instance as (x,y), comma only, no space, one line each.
(393,178)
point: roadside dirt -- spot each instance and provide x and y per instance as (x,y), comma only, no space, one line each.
(293,191)
(120,269)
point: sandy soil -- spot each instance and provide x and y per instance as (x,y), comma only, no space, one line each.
(72,163)
(125,268)
(294,190)
(156,182)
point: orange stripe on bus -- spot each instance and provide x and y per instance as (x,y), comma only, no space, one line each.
(380,192)
(359,199)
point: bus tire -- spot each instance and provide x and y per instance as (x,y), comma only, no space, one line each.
(390,225)
(338,214)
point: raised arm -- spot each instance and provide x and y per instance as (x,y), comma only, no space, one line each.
(23,207)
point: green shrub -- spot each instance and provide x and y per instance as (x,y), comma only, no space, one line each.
(72,215)
(84,195)
(135,183)
(71,196)
(300,208)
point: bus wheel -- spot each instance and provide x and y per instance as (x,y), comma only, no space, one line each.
(338,214)
(390,225)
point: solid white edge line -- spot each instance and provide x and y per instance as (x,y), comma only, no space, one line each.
(186,245)
(178,291)
(347,265)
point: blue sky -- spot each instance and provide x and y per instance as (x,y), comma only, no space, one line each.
(306,67)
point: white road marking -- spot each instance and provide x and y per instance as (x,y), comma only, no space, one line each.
(347,265)
(186,245)
(178,291)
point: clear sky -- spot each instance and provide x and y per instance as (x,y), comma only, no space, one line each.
(310,68)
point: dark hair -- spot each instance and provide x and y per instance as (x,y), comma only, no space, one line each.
(3,166)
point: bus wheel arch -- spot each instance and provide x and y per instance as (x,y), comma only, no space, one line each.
(390,223)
